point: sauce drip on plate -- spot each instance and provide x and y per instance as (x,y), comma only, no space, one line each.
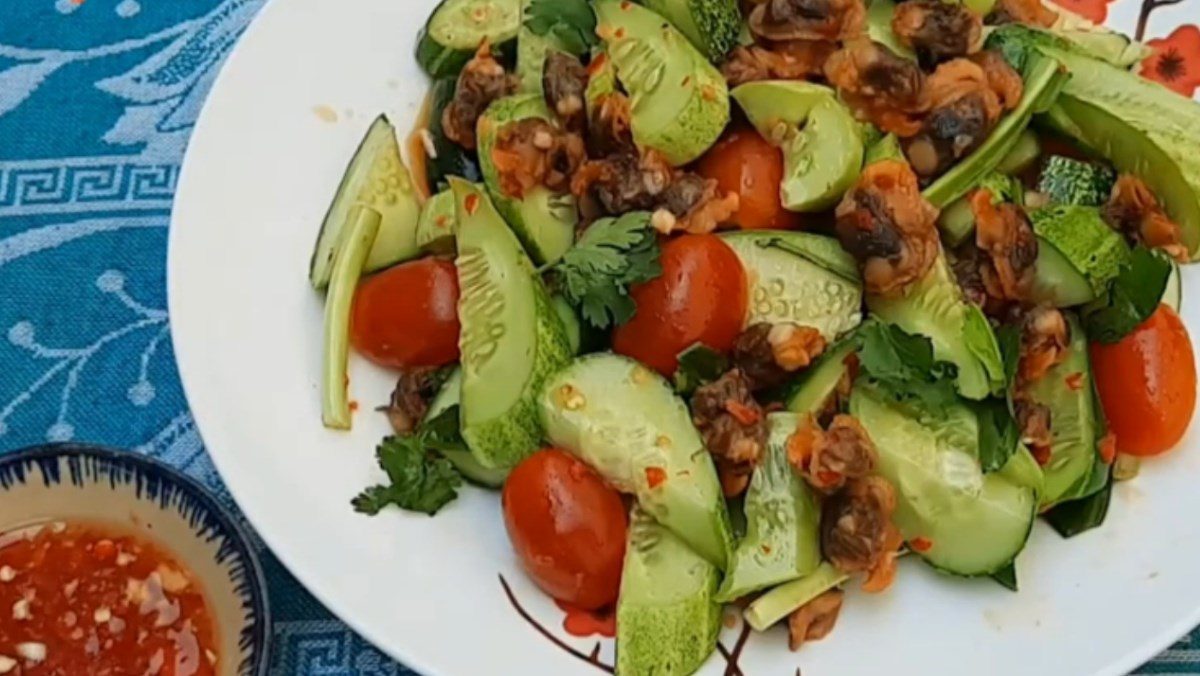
(87,598)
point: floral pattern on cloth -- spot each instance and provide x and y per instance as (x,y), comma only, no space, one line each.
(1176,60)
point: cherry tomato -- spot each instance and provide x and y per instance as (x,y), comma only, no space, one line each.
(1147,384)
(408,315)
(568,528)
(745,163)
(700,297)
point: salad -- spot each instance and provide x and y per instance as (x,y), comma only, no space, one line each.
(742,301)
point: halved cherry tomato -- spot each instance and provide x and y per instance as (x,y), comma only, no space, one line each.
(700,297)
(568,528)
(745,163)
(408,315)
(1147,384)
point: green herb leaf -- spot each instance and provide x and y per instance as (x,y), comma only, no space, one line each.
(1078,516)
(1009,338)
(420,481)
(1006,577)
(442,431)
(612,255)
(1133,297)
(998,434)
(903,365)
(571,22)
(698,365)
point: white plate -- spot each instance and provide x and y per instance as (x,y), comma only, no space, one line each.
(262,165)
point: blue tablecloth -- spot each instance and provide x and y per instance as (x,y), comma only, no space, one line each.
(97,98)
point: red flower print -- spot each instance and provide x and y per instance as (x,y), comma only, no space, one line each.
(1176,60)
(1095,11)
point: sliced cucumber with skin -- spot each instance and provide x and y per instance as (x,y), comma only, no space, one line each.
(679,102)
(713,26)
(447,158)
(377,178)
(973,523)
(439,218)
(813,389)
(544,221)
(782,541)
(934,307)
(822,143)
(1066,390)
(511,337)
(457,28)
(570,321)
(957,222)
(801,278)
(667,617)
(785,599)
(1080,234)
(1024,153)
(449,396)
(532,51)
(879,28)
(1056,282)
(362,228)
(628,424)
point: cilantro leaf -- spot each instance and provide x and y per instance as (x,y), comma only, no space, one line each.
(699,364)
(1009,338)
(998,434)
(442,431)
(1134,296)
(572,23)
(420,481)
(612,255)
(903,365)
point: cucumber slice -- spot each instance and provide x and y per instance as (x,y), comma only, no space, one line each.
(667,619)
(376,177)
(1173,294)
(1079,233)
(1024,153)
(799,277)
(879,28)
(544,221)
(957,222)
(439,220)
(783,600)
(822,143)
(627,423)
(975,523)
(713,26)
(346,269)
(511,338)
(570,321)
(451,395)
(819,382)
(782,539)
(1067,391)
(457,28)
(1056,282)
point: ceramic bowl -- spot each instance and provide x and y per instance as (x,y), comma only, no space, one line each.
(77,482)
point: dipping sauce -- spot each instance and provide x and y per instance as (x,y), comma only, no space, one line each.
(84,598)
